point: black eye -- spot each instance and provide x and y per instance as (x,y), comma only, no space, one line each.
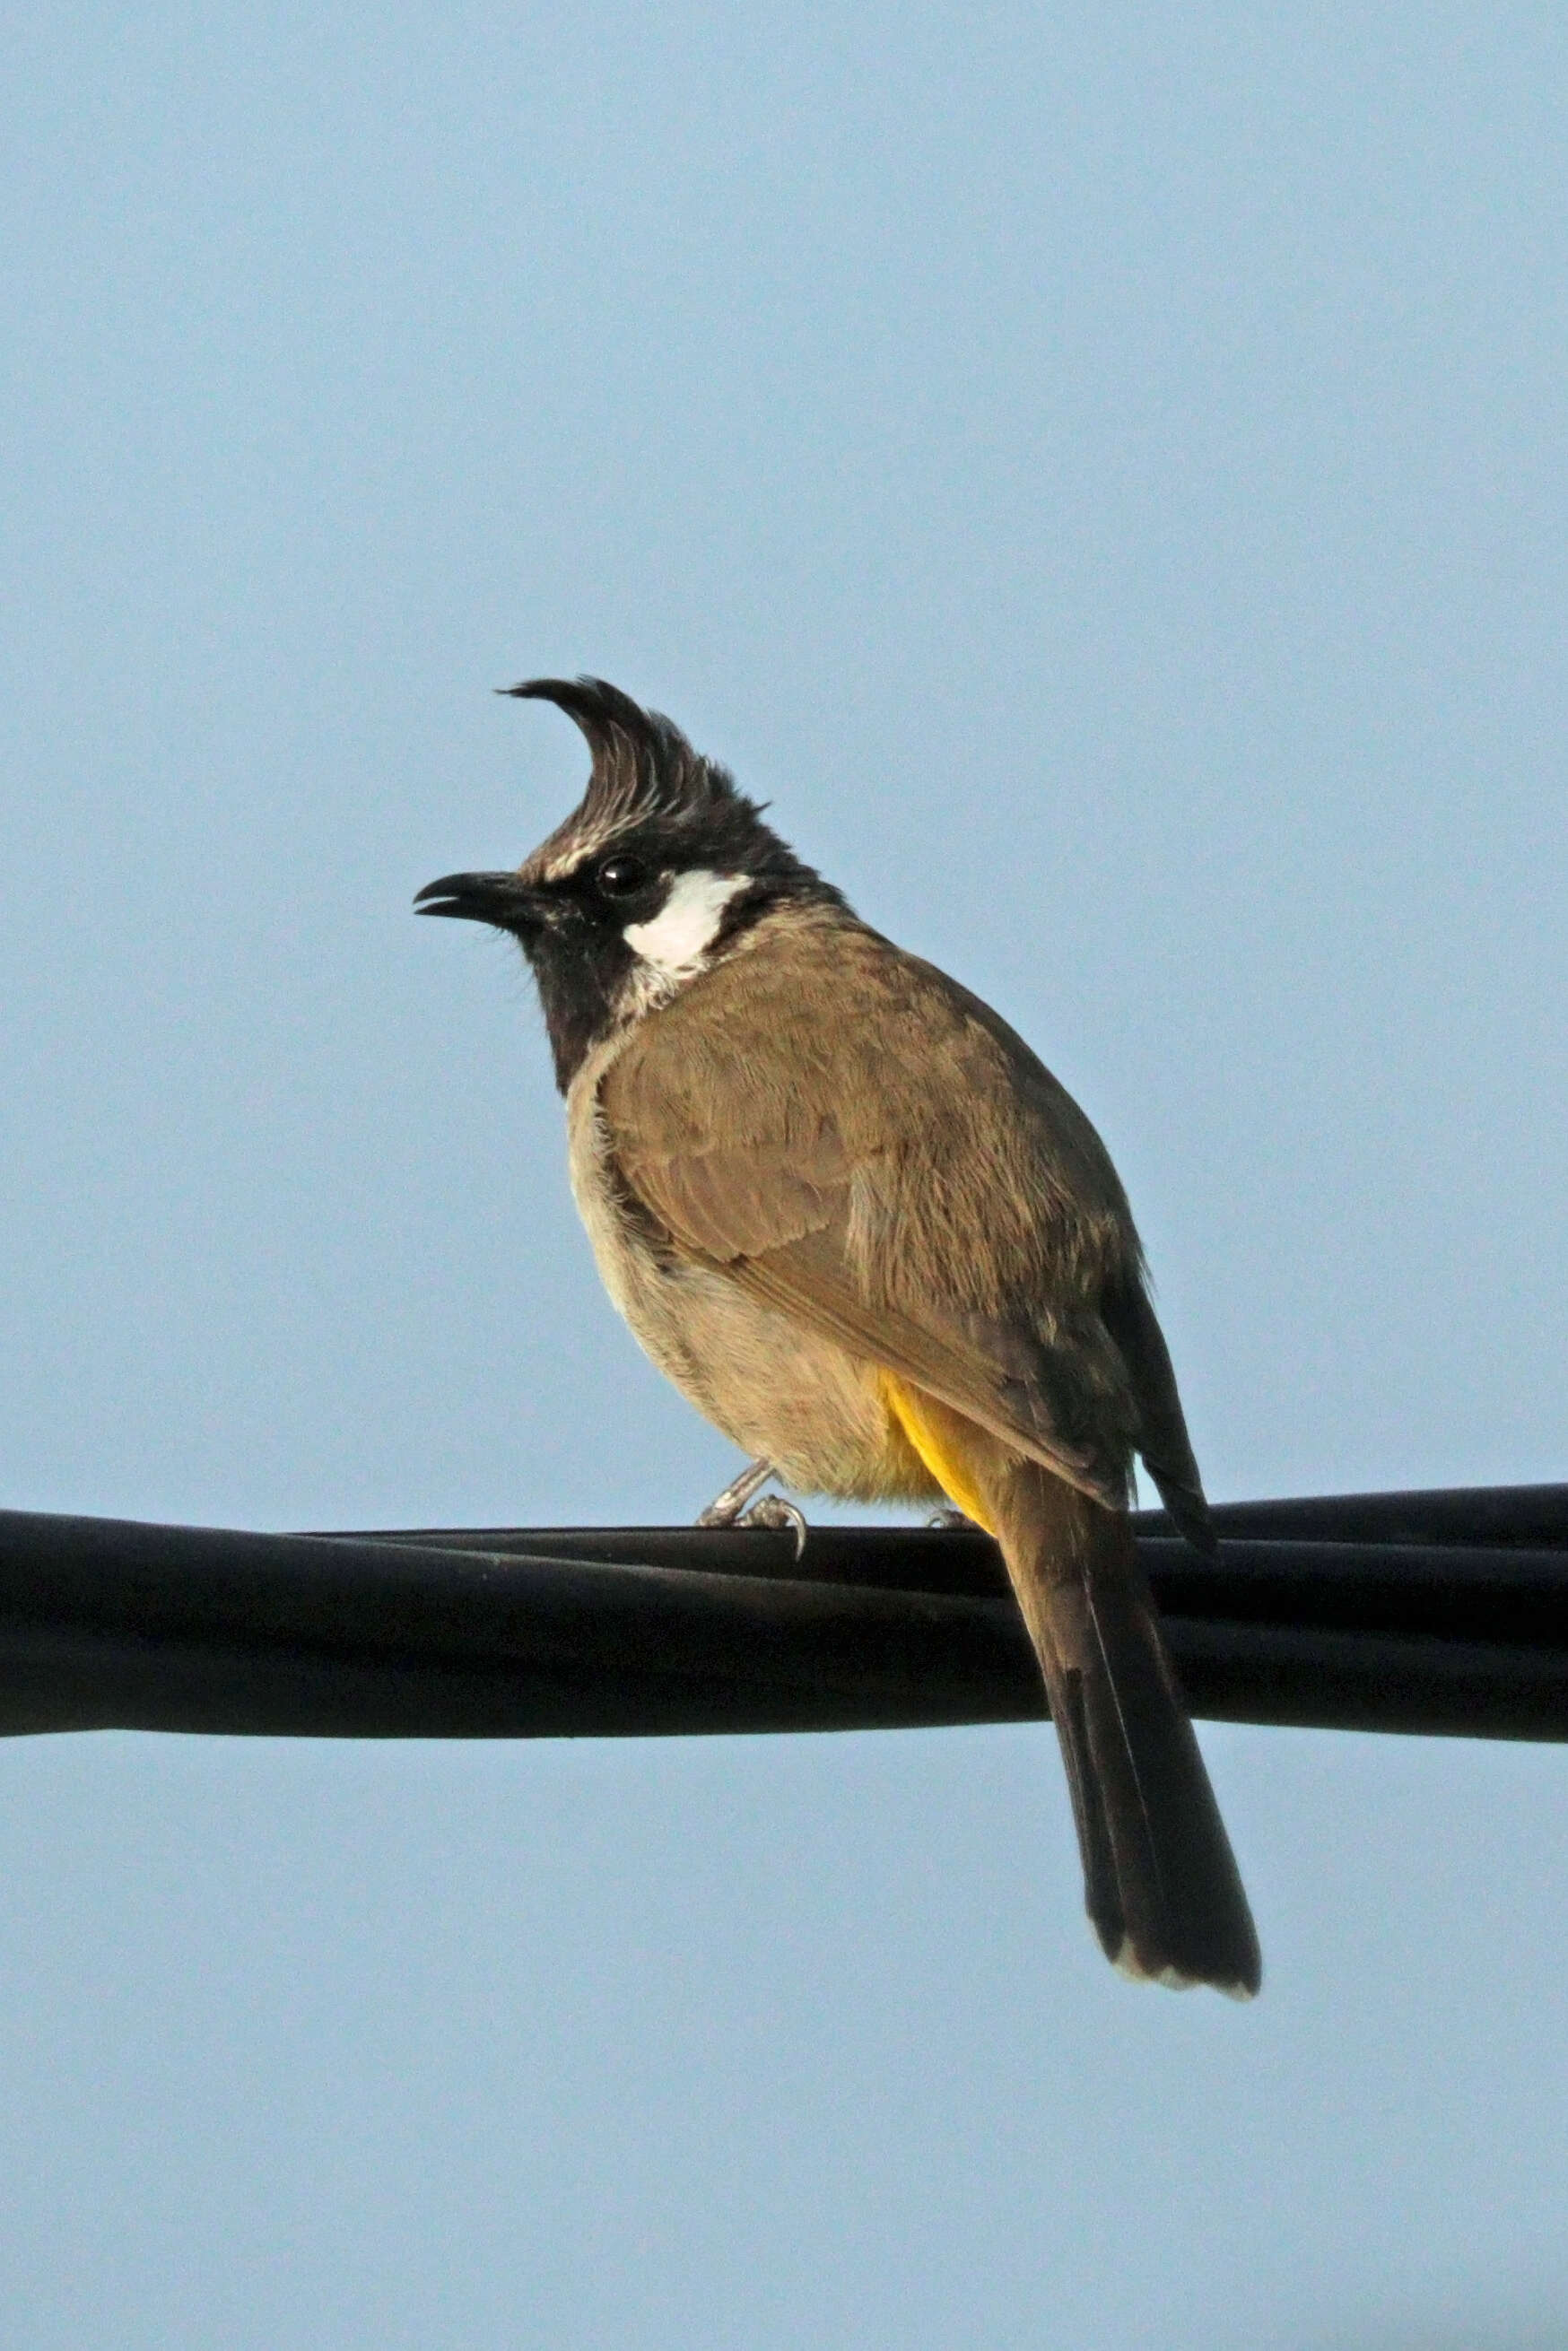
(620,877)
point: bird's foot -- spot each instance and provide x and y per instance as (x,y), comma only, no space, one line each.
(735,1507)
(726,1509)
(950,1520)
(775,1512)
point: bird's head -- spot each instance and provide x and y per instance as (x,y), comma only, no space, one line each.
(657,875)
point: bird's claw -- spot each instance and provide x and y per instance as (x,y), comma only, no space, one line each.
(775,1513)
(735,1507)
(728,1509)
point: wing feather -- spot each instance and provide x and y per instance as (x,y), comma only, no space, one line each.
(851,1196)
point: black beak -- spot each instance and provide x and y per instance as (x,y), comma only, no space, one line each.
(503,899)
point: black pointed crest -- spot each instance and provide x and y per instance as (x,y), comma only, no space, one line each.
(643,766)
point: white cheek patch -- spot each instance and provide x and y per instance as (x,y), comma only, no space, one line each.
(686,926)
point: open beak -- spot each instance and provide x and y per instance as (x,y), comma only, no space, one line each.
(503,899)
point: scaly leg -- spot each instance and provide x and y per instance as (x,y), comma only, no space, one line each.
(726,1508)
(730,1508)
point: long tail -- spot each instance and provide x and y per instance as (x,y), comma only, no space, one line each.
(1160,1880)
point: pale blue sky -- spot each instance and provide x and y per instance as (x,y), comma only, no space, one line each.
(1101,477)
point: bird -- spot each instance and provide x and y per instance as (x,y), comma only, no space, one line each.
(869,1236)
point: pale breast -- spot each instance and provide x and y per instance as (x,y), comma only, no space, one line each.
(777,1390)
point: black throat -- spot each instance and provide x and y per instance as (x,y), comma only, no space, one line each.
(583,980)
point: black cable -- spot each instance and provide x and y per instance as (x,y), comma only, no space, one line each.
(1434,1613)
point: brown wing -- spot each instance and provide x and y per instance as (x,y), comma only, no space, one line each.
(839,1168)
